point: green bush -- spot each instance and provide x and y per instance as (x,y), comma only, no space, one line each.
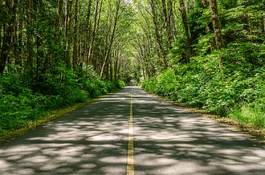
(21,103)
(228,81)
(205,84)
(250,115)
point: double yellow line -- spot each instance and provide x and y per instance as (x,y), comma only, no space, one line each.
(130,158)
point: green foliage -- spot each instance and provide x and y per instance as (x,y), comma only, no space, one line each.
(118,84)
(229,81)
(20,104)
(164,83)
(203,83)
(249,116)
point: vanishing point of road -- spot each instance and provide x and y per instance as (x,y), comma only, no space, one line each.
(133,133)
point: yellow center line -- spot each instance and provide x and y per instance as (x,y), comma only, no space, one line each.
(130,159)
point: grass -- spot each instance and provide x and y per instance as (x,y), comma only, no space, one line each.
(249,116)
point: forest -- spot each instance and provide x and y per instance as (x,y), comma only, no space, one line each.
(208,54)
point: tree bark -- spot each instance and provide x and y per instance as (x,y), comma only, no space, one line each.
(158,34)
(216,24)
(68,32)
(8,34)
(187,30)
(264,22)
(76,32)
(112,37)
(95,26)
(5,47)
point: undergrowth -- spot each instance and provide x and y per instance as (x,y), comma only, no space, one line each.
(230,81)
(23,102)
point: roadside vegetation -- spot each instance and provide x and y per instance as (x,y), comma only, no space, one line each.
(54,54)
(217,58)
(20,105)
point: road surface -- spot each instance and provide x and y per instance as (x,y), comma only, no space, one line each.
(133,133)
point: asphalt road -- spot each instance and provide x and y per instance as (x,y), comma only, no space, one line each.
(163,140)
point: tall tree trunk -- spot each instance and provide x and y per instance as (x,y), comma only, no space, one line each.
(76,33)
(95,26)
(116,17)
(216,24)
(263,22)
(87,37)
(5,47)
(14,30)
(68,19)
(171,22)
(19,44)
(8,34)
(58,23)
(187,29)
(30,13)
(158,34)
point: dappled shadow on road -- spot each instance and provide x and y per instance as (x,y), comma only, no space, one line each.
(88,141)
(170,140)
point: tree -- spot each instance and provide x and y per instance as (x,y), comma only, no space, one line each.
(112,35)
(216,24)
(187,30)
(8,32)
